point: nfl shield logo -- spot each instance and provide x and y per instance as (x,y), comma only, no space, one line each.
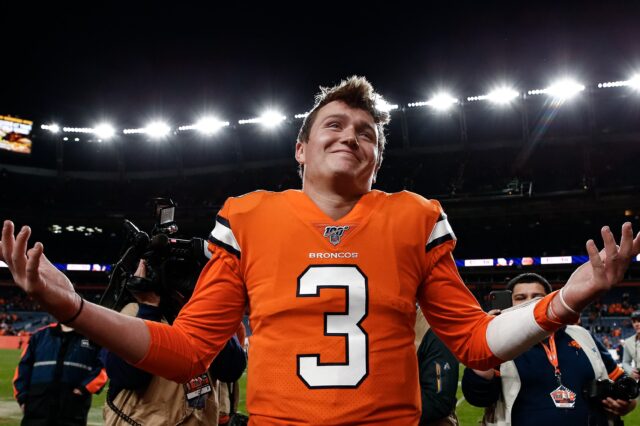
(335,233)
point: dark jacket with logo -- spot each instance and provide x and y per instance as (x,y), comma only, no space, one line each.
(54,364)
(438,379)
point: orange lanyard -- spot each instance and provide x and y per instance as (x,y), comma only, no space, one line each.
(552,355)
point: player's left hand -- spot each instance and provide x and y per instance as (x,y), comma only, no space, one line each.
(604,269)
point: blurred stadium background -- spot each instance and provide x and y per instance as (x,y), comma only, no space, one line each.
(524,122)
(525,177)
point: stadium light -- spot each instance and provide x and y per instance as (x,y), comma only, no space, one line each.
(561,90)
(299,116)
(633,82)
(157,129)
(272,119)
(500,96)
(133,131)
(206,125)
(269,119)
(104,131)
(210,125)
(442,101)
(77,129)
(609,84)
(53,128)
(384,106)
(565,89)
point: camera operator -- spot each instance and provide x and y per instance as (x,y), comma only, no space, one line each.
(567,379)
(139,398)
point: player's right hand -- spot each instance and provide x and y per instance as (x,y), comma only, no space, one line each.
(33,272)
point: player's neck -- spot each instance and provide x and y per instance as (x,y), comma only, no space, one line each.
(333,204)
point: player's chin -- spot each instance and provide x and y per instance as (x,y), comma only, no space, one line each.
(344,166)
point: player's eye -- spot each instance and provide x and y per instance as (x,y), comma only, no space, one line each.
(366,135)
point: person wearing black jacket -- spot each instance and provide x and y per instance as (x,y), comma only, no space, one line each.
(438,377)
(57,374)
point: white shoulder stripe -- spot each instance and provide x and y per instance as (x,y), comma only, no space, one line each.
(224,234)
(207,253)
(514,331)
(441,229)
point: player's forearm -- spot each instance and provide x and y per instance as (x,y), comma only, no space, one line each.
(570,301)
(125,336)
(518,328)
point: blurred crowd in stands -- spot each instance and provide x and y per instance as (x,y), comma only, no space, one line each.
(20,315)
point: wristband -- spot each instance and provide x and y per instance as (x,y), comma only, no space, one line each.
(567,307)
(73,318)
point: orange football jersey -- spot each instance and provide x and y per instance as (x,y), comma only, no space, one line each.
(332,307)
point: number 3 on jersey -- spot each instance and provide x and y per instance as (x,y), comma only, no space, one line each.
(350,374)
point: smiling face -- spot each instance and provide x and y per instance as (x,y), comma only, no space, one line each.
(342,148)
(523,292)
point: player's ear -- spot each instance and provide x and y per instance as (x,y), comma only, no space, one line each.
(300,147)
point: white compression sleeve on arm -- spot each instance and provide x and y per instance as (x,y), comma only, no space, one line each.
(514,331)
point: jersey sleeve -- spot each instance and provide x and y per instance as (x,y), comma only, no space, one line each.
(222,236)
(185,349)
(479,340)
(453,312)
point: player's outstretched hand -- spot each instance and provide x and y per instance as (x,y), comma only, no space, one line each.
(32,271)
(604,269)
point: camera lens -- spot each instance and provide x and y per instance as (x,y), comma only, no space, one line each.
(625,388)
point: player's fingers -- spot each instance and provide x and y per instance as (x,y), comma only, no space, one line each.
(594,259)
(626,240)
(35,254)
(7,241)
(19,255)
(636,245)
(603,255)
(610,247)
